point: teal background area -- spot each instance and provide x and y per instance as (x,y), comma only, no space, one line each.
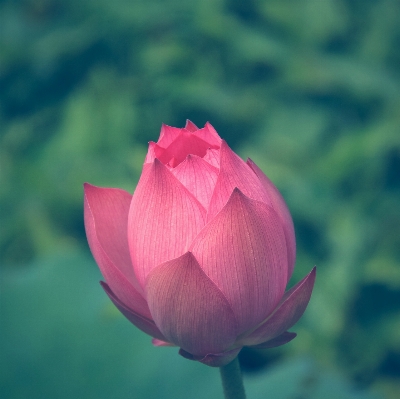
(309,89)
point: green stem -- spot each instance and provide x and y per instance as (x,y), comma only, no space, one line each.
(232,380)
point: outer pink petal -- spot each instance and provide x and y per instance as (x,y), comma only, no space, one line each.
(209,134)
(280,207)
(234,172)
(278,341)
(213,359)
(145,324)
(243,251)
(190,126)
(212,157)
(189,309)
(106,215)
(198,176)
(288,312)
(163,220)
(167,135)
(187,143)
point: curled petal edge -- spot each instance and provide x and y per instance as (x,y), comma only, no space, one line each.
(146,325)
(277,341)
(212,359)
(287,313)
(158,342)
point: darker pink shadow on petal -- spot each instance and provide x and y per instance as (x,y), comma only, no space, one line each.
(188,308)
(146,325)
(187,143)
(167,135)
(243,251)
(280,207)
(212,359)
(163,220)
(106,213)
(289,311)
(277,341)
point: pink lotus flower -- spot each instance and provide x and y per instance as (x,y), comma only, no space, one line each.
(200,256)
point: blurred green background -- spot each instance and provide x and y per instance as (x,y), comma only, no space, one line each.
(310,90)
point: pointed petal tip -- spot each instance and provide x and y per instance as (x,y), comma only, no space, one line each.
(312,275)
(190,126)
(105,287)
(237,194)
(156,164)
(87,187)
(314,269)
(210,126)
(236,190)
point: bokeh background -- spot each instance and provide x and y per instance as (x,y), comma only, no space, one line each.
(309,89)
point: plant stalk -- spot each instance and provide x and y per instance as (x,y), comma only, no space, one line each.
(232,380)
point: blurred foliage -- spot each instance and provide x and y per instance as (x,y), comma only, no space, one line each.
(308,89)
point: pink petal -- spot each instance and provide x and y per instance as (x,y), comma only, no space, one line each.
(158,342)
(198,176)
(188,308)
(190,126)
(234,172)
(173,163)
(278,341)
(213,359)
(155,151)
(146,325)
(163,220)
(212,157)
(289,311)
(167,135)
(209,135)
(280,207)
(106,216)
(187,143)
(243,251)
